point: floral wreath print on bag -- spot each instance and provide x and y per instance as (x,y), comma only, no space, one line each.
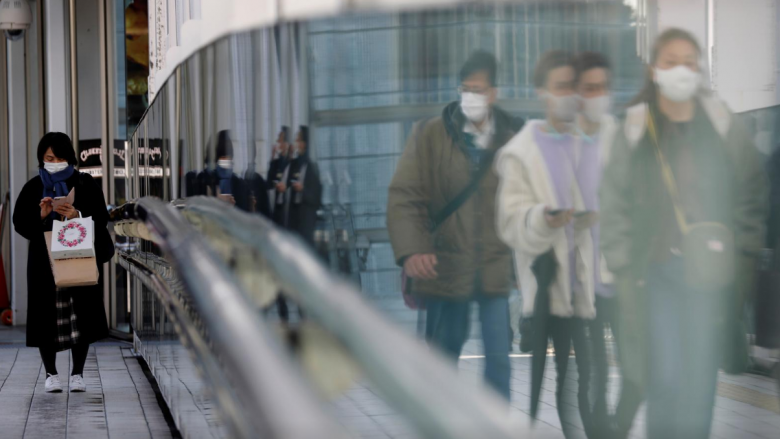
(66,235)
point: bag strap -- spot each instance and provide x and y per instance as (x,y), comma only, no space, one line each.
(466,193)
(668,175)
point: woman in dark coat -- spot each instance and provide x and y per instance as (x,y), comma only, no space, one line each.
(33,215)
(306,197)
(277,181)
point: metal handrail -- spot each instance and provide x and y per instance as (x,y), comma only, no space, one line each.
(266,396)
(419,383)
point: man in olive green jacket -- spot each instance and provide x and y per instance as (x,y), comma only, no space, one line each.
(463,259)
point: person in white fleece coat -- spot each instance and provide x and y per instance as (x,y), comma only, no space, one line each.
(548,202)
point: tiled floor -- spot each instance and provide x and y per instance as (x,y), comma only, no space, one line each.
(746,406)
(119,401)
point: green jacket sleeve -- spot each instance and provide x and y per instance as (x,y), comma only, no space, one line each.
(408,216)
(616,207)
(752,209)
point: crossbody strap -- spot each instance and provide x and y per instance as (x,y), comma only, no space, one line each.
(668,175)
(465,194)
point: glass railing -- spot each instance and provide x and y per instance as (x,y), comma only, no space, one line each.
(218,315)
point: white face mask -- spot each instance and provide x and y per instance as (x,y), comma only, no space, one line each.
(474,105)
(677,84)
(225,164)
(594,109)
(53,168)
(563,107)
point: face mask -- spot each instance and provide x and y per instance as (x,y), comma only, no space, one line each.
(225,164)
(563,107)
(53,168)
(678,84)
(594,109)
(474,106)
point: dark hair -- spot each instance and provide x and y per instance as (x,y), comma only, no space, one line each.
(480,61)
(550,61)
(60,145)
(304,134)
(589,60)
(224,145)
(648,92)
(286,131)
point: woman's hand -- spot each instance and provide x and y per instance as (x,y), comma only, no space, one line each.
(557,218)
(298,187)
(46,207)
(67,211)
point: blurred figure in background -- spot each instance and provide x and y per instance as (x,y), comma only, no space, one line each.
(684,201)
(278,171)
(306,196)
(441,219)
(597,129)
(222,182)
(548,212)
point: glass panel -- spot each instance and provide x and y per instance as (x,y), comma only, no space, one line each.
(322,125)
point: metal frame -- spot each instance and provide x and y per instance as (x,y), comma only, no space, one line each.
(261,389)
(417,381)
(74,78)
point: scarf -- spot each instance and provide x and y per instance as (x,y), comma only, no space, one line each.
(54,184)
(225,180)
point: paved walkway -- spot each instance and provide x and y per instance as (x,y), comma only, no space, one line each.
(120,402)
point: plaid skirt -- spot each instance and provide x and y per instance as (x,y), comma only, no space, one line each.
(67,330)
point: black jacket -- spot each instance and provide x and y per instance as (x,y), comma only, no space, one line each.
(87,301)
(303,210)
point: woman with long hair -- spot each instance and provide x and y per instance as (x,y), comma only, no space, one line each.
(684,201)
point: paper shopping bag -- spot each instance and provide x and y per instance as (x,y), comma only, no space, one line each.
(68,273)
(73,239)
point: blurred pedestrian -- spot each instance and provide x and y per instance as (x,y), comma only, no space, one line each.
(684,204)
(441,219)
(596,128)
(548,213)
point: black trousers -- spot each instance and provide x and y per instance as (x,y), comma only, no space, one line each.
(606,312)
(79,352)
(572,391)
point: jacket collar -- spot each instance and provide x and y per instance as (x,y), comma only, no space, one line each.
(455,121)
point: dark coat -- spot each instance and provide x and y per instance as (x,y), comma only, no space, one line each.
(434,168)
(275,175)
(257,188)
(87,301)
(303,214)
(207,182)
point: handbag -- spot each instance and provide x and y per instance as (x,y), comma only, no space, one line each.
(438,219)
(73,239)
(709,259)
(707,247)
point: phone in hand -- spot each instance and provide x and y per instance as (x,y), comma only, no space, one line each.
(59,201)
(581,213)
(556,212)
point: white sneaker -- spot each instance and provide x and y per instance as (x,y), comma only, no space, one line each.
(77,384)
(53,384)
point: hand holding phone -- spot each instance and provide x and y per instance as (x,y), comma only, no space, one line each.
(60,201)
(557,218)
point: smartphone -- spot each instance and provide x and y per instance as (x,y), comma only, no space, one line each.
(59,201)
(555,212)
(581,213)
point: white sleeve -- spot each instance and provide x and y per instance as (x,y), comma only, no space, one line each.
(521,222)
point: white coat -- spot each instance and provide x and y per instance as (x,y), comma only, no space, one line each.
(525,189)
